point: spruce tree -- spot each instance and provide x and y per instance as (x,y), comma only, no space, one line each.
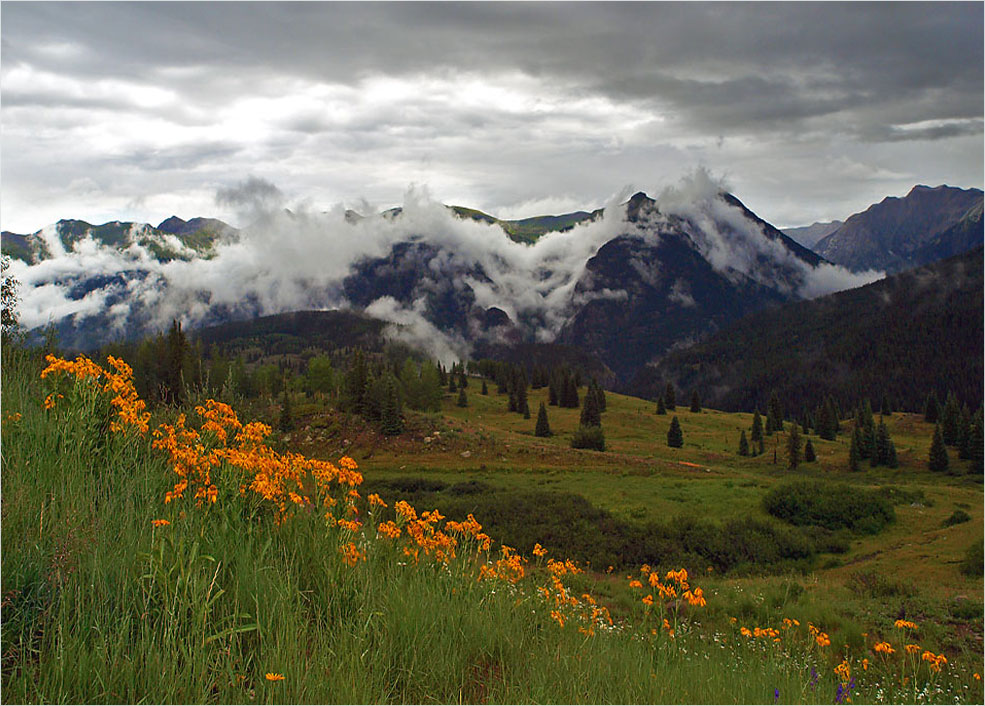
(590,416)
(938,460)
(793,446)
(976,441)
(542,428)
(854,458)
(880,455)
(743,444)
(463,380)
(661,407)
(670,400)
(526,409)
(931,409)
(891,460)
(886,409)
(695,402)
(286,418)
(552,394)
(675,437)
(964,431)
(809,455)
(485,388)
(757,427)
(391,416)
(451,384)
(805,421)
(951,420)
(774,414)
(463,401)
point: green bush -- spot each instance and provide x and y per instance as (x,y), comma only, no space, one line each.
(832,506)
(972,564)
(588,438)
(956,518)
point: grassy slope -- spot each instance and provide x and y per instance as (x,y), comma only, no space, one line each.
(100,607)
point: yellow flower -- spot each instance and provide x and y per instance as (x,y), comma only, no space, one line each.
(635,584)
(271,676)
(648,600)
(160,523)
(901,624)
(977,676)
(539,550)
(912,649)
(865,664)
(884,647)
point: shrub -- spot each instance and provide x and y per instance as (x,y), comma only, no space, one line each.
(588,438)
(956,518)
(830,506)
(972,564)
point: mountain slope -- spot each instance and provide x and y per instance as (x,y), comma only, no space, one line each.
(903,336)
(887,235)
(809,236)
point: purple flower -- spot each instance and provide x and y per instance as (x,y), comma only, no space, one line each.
(776,695)
(840,695)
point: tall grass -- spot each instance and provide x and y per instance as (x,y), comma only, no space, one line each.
(102,605)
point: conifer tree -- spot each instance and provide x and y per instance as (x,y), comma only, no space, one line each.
(886,409)
(391,415)
(452,387)
(695,402)
(809,455)
(286,419)
(854,457)
(793,446)
(938,460)
(354,384)
(743,444)
(463,380)
(964,431)
(675,437)
(805,421)
(762,448)
(670,401)
(552,394)
(880,455)
(590,416)
(931,410)
(463,401)
(526,410)
(661,408)
(950,420)
(757,427)
(891,460)
(774,414)
(485,388)
(976,441)
(543,428)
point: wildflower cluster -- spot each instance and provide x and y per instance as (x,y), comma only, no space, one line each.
(674,587)
(130,409)
(564,605)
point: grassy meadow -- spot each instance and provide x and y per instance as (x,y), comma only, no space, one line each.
(289,581)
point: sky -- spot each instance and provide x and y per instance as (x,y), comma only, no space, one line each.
(137,111)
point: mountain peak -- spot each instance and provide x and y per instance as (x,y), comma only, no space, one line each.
(172,225)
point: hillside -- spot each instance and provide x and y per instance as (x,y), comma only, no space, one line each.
(808,236)
(904,336)
(893,234)
(255,596)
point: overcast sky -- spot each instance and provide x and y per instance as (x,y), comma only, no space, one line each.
(137,111)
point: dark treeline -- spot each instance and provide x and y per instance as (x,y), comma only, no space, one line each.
(900,338)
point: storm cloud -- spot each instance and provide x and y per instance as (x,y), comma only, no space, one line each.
(815,110)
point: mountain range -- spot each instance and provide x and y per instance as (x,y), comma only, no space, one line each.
(624,285)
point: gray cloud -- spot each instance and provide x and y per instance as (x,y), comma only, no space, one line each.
(492,104)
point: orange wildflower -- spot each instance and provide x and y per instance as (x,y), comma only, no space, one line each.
(271,676)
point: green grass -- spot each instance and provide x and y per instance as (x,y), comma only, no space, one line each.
(100,606)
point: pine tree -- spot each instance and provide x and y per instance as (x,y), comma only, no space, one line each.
(757,427)
(670,400)
(354,385)
(938,460)
(695,402)
(976,441)
(552,395)
(891,460)
(809,455)
(463,381)
(543,428)
(743,444)
(762,448)
(854,457)
(526,410)
(286,419)
(391,415)
(675,437)
(805,421)
(886,409)
(964,431)
(590,416)
(931,410)
(793,446)
(485,388)
(880,455)
(661,407)
(463,401)
(452,387)
(951,420)
(774,414)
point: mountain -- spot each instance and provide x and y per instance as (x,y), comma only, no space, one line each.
(173,239)
(893,234)
(808,236)
(622,285)
(903,336)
